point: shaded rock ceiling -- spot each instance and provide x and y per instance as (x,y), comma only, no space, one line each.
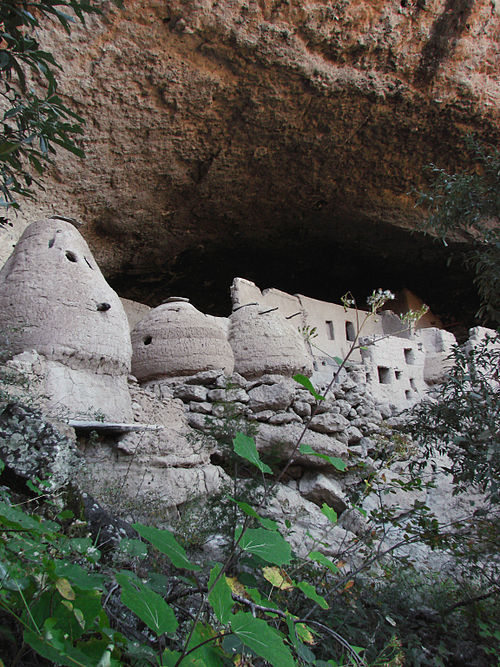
(279,141)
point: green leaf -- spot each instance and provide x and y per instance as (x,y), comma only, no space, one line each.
(208,655)
(338,360)
(79,576)
(302,650)
(245,447)
(8,147)
(249,511)
(99,653)
(220,597)
(165,542)
(146,604)
(330,513)
(160,582)
(54,647)
(268,545)
(310,592)
(16,518)
(134,548)
(306,382)
(261,638)
(87,607)
(323,560)
(337,463)
(170,659)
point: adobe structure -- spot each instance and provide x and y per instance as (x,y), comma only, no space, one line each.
(55,302)
(69,333)
(175,339)
(399,364)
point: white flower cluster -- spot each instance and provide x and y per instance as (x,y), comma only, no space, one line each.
(378,298)
(348,301)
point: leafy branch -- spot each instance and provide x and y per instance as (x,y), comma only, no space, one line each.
(35,121)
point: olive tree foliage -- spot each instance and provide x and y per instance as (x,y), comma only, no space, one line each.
(466,205)
(34,119)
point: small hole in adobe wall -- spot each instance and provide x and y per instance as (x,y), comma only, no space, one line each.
(350,332)
(71,256)
(148,340)
(384,375)
(51,242)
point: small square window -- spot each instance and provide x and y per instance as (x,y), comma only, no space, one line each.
(409,356)
(384,375)
(350,332)
(329,330)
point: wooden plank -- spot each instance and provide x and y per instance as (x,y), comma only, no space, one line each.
(111,427)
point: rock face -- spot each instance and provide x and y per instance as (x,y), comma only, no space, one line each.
(256,136)
(55,300)
(152,472)
(31,446)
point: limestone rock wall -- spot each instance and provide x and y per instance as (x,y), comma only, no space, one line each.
(239,132)
(147,472)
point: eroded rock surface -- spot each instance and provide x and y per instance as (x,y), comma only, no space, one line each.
(33,446)
(248,138)
(149,473)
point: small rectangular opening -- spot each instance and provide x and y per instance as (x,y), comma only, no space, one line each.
(398,374)
(408,394)
(350,332)
(329,330)
(384,375)
(413,384)
(409,356)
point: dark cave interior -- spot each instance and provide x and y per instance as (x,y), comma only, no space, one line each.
(319,265)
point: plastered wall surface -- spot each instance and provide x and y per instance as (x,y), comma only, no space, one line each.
(177,339)
(55,300)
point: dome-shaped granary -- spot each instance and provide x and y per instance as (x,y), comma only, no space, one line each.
(175,339)
(55,300)
(265,342)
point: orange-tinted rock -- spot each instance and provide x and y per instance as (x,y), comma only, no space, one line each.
(260,124)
